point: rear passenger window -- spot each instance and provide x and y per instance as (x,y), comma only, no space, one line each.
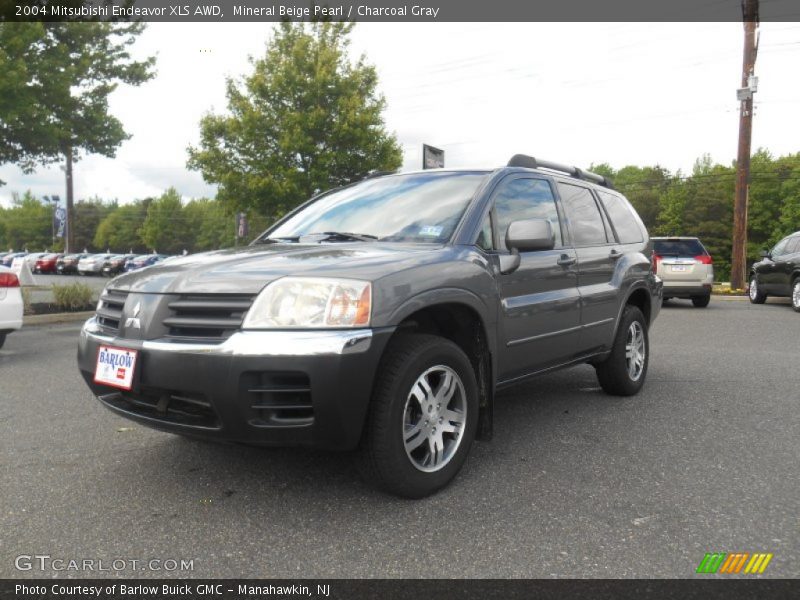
(521,199)
(625,224)
(585,221)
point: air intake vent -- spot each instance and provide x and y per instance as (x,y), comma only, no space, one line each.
(109,310)
(205,318)
(185,408)
(277,399)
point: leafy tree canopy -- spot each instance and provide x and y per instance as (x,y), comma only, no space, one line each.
(306,119)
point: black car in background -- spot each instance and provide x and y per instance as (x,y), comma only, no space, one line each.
(778,273)
(116,264)
(69,263)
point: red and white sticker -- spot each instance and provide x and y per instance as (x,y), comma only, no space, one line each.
(115,367)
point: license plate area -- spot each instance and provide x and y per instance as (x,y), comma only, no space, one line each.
(678,268)
(115,367)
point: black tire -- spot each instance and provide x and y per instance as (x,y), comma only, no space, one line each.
(613,373)
(383,459)
(757,296)
(2,339)
(701,301)
(795,295)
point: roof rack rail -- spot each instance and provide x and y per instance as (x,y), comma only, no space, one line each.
(529,162)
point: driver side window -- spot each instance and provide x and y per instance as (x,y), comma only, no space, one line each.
(520,199)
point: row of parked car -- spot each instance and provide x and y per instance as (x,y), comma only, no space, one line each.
(107,264)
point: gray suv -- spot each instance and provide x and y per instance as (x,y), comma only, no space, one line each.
(384,316)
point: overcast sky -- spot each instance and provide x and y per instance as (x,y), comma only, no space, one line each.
(629,93)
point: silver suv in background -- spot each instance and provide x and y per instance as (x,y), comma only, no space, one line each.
(686,268)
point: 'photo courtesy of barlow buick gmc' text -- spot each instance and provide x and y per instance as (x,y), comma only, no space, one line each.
(383,317)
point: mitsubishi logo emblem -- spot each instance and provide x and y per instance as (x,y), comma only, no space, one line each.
(133,322)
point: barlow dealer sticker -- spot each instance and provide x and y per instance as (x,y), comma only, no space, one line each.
(115,367)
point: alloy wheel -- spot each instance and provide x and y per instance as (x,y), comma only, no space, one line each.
(434,418)
(635,351)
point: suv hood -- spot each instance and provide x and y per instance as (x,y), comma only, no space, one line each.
(247,270)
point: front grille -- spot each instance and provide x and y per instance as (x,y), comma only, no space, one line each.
(206,317)
(277,398)
(109,310)
(185,408)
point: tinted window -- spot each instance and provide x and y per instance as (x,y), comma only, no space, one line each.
(678,248)
(780,247)
(625,224)
(585,221)
(420,207)
(525,199)
(793,246)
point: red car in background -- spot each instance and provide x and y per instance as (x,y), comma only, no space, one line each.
(46,263)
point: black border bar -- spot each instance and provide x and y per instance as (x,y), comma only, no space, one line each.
(390,589)
(416,11)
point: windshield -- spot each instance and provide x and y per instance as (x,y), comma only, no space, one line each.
(421,207)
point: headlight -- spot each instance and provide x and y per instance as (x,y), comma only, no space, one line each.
(307,302)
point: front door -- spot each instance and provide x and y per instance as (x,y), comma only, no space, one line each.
(539,320)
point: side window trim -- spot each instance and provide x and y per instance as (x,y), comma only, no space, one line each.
(611,233)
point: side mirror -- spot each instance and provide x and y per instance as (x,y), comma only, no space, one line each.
(765,254)
(529,235)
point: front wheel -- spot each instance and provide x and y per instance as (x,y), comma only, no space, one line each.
(423,417)
(756,295)
(624,371)
(796,295)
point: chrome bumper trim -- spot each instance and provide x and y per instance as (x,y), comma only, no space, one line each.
(252,343)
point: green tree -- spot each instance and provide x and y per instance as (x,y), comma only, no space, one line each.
(54,89)
(307,119)
(27,224)
(211,225)
(88,216)
(165,228)
(120,230)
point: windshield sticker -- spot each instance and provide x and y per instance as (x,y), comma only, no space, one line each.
(431,230)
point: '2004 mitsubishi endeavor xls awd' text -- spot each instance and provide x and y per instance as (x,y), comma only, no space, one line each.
(383,316)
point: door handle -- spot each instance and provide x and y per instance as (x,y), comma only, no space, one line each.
(615,255)
(566,260)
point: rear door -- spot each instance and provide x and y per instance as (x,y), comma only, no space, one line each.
(597,252)
(540,312)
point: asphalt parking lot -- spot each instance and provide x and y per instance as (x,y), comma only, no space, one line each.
(575,483)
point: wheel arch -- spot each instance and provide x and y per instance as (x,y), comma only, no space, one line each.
(462,319)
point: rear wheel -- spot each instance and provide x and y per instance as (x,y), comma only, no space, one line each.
(624,371)
(795,295)
(423,416)
(756,295)
(701,301)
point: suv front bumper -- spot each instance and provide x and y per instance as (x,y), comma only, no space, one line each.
(258,387)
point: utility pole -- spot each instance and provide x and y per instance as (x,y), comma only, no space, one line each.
(70,237)
(745,97)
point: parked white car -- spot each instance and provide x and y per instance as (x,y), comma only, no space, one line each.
(10,303)
(93,264)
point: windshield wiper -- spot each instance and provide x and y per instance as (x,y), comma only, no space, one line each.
(281,240)
(345,236)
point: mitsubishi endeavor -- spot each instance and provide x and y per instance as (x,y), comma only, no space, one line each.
(384,316)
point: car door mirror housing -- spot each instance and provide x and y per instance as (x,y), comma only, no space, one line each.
(530,234)
(765,254)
